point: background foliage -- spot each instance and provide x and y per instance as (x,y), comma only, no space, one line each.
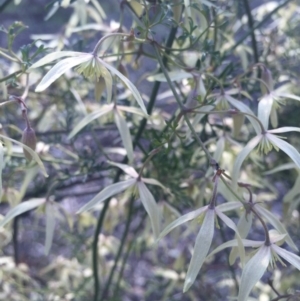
(110,253)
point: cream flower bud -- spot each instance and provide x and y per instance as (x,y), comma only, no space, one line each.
(266,77)
(29,139)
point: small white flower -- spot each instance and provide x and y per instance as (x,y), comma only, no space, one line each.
(204,237)
(138,182)
(90,65)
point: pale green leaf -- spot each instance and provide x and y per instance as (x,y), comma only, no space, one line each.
(175,75)
(285,147)
(293,259)
(125,134)
(281,168)
(50,225)
(234,243)
(89,118)
(229,206)
(274,117)
(253,271)
(220,146)
(21,208)
(244,226)
(59,69)
(243,108)
(33,154)
(275,222)
(126,168)
(181,220)
(241,157)
(264,109)
(151,207)
(154,182)
(202,245)
(229,223)
(292,193)
(106,193)
(133,110)
(129,84)
(53,57)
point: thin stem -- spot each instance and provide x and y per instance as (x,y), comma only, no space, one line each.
(122,243)
(119,172)
(96,49)
(231,190)
(181,106)
(8,57)
(267,239)
(150,156)
(251,25)
(212,203)
(10,76)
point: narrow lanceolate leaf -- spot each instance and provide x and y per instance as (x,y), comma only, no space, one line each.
(54,56)
(229,223)
(106,193)
(286,147)
(243,108)
(21,208)
(125,134)
(50,225)
(33,154)
(281,168)
(275,222)
(229,206)
(89,118)
(126,168)
(1,167)
(264,110)
(151,207)
(292,193)
(59,69)
(287,95)
(129,84)
(253,271)
(155,182)
(241,158)
(181,220)
(243,226)
(293,259)
(132,110)
(175,75)
(202,245)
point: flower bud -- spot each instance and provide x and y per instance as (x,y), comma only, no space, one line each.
(266,77)
(29,139)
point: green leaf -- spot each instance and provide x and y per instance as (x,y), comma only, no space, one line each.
(281,168)
(253,271)
(133,110)
(129,84)
(287,95)
(181,220)
(53,57)
(21,208)
(59,69)
(229,206)
(241,157)
(150,206)
(125,134)
(155,182)
(106,193)
(33,154)
(89,118)
(50,225)
(202,245)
